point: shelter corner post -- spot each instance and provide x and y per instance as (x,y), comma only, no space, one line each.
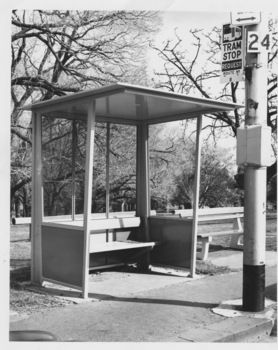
(74,144)
(196,195)
(37,200)
(107,184)
(142,186)
(88,193)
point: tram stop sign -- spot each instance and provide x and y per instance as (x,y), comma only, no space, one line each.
(231,54)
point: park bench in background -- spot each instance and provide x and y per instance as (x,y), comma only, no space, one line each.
(23,221)
(217,214)
(204,215)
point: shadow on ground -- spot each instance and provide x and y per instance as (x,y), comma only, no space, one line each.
(107,297)
(20,273)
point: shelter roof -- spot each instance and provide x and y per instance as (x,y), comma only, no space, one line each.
(131,104)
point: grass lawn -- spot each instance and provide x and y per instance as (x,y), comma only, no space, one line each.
(25,301)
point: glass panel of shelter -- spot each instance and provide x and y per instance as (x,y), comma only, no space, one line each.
(172,154)
(122,168)
(64,157)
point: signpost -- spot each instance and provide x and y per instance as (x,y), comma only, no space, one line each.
(253,140)
(232,54)
(253,143)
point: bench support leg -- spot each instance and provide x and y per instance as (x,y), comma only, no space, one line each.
(203,254)
(236,242)
(236,239)
(144,261)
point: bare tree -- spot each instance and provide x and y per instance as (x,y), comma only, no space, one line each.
(186,71)
(217,186)
(59,52)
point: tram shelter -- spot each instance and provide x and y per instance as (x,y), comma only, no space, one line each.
(64,249)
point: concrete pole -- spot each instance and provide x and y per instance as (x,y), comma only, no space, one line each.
(255,181)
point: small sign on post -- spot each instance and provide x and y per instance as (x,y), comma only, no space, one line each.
(231,54)
(245,18)
(256,42)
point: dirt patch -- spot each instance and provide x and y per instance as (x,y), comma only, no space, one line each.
(25,301)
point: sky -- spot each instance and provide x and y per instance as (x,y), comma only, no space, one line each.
(182,22)
(195,19)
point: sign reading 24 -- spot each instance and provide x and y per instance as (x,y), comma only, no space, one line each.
(255,43)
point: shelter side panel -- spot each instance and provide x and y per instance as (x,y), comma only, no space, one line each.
(62,255)
(175,234)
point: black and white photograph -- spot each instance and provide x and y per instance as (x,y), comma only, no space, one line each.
(139,174)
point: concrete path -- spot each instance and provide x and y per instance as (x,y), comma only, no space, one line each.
(133,307)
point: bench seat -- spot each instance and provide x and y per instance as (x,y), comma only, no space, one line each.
(214,217)
(109,226)
(206,238)
(117,245)
(111,242)
(233,214)
(220,233)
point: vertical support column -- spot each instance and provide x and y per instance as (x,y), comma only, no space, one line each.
(107,164)
(107,186)
(142,178)
(196,196)
(107,169)
(142,169)
(37,200)
(142,188)
(88,193)
(74,137)
(255,183)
